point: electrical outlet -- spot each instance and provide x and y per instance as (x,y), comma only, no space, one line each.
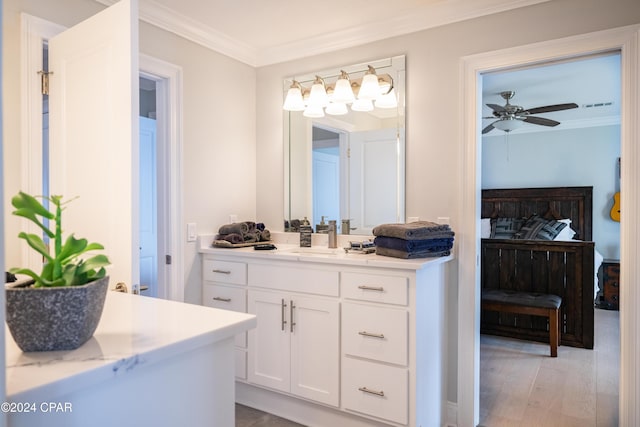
(233,218)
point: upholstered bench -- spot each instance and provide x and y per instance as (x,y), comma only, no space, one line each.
(536,304)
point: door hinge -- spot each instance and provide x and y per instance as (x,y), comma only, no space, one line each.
(348,153)
(167,259)
(44,81)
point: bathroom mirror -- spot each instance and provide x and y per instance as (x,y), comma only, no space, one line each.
(351,167)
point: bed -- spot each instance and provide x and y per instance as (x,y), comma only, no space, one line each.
(565,267)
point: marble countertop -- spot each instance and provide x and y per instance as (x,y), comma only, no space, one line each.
(318,253)
(134,330)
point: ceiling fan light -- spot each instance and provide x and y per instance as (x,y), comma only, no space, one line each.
(294,101)
(508,124)
(388,100)
(362,105)
(336,109)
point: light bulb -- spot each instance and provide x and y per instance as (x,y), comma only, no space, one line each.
(336,109)
(313,111)
(318,95)
(343,92)
(294,101)
(370,89)
(362,105)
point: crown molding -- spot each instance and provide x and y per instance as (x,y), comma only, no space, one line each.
(433,15)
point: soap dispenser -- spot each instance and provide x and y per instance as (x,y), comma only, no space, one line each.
(333,237)
(322,227)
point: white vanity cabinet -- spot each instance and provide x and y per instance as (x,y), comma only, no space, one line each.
(295,347)
(346,340)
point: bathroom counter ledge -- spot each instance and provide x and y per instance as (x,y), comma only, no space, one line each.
(143,352)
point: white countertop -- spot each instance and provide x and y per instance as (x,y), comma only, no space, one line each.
(134,330)
(319,254)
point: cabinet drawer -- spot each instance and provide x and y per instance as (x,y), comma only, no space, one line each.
(375,287)
(374,389)
(226,298)
(377,333)
(225,271)
(295,279)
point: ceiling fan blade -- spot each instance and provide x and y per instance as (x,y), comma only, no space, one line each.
(488,129)
(541,121)
(550,108)
(497,108)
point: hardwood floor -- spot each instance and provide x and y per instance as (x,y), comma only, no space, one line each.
(249,417)
(520,385)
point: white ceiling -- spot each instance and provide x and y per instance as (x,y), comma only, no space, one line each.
(263,32)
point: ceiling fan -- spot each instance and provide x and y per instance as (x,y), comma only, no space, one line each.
(510,117)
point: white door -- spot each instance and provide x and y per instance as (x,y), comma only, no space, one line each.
(374,190)
(269,348)
(148,207)
(315,351)
(94,132)
(326,187)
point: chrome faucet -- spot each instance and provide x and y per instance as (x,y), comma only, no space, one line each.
(333,234)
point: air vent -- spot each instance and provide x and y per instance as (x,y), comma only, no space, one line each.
(598,104)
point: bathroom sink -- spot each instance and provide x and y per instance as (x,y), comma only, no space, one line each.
(319,250)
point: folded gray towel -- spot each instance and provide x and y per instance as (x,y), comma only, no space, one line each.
(265,235)
(414,230)
(395,253)
(235,228)
(231,237)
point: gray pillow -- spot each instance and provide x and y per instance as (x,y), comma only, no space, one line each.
(505,228)
(538,228)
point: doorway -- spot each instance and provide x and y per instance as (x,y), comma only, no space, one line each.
(581,151)
(625,40)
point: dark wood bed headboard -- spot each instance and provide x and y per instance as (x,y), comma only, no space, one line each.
(575,203)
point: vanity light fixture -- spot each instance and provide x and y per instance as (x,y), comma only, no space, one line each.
(333,98)
(294,101)
(343,92)
(370,88)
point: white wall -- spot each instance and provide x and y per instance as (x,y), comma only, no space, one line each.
(218,151)
(576,157)
(434,106)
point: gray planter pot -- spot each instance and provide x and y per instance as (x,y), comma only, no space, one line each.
(60,318)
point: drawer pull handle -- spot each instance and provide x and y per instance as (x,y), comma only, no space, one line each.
(222,271)
(371,288)
(369,334)
(283,306)
(376,392)
(293,323)
(222,299)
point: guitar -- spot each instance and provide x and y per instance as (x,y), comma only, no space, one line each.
(615,209)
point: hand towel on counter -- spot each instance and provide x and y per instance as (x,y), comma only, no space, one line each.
(243,232)
(433,245)
(414,230)
(395,253)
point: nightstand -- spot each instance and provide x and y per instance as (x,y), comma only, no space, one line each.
(610,284)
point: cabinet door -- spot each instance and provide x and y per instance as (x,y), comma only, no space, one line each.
(315,353)
(269,348)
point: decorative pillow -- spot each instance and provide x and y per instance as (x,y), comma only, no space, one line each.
(505,228)
(538,228)
(485,228)
(566,233)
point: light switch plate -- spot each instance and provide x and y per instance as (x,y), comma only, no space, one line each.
(191,232)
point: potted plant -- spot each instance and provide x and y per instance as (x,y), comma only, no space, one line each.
(58,309)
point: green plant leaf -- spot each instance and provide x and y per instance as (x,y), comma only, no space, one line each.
(93,263)
(72,248)
(28,207)
(36,243)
